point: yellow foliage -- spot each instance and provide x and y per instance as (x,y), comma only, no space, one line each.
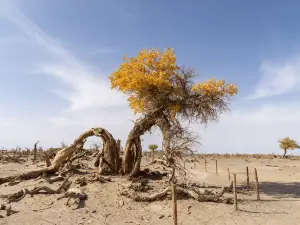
(288,143)
(149,68)
(215,88)
(153,75)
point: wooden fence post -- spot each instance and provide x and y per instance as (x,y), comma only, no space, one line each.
(248,183)
(257,185)
(216,166)
(174,203)
(205,165)
(234,192)
(228,173)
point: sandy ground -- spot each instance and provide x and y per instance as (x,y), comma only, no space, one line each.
(279,183)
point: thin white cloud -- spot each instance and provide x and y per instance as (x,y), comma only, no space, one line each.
(278,79)
(252,130)
(84,88)
(91,102)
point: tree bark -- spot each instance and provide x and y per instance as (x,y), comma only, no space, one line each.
(109,158)
(165,128)
(133,147)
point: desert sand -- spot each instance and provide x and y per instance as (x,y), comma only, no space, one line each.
(279,192)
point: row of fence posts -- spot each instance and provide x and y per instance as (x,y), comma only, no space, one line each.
(235,200)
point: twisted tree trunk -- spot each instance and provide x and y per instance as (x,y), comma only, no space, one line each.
(109,159)
(133,147)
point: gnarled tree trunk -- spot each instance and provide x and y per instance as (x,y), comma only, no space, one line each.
(133,147)
(108,160)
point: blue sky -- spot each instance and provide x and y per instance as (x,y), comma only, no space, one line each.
(56,55)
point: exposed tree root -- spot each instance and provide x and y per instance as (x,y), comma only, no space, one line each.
(18,196)
(149,198)
(50,181)
(139,185)
(180,191)
(159,161)
(73,193)
(101,179)
(6,207)
(77,157)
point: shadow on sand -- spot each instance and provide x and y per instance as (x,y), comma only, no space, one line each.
(261,212)
(281,190)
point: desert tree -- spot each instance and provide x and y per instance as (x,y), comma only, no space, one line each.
(163,95)
(286,144)
(152,148)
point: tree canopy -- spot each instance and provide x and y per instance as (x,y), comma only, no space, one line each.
(153,80)
(153,147)
(287,143)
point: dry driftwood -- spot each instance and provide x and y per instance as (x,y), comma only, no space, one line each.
(52,180)
(180,191)
(73,193)
(18,196)
(159,161)
(101,179)
(6,207)
(61,157)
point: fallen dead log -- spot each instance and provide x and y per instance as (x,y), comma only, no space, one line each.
(18,196)
(179,191)
(52,180)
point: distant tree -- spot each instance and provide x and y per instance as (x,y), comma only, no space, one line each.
(35,150)
(153,147)
(286,144)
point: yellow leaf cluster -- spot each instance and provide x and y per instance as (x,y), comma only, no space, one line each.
(215,88)
(150,70)
(288,143)
(137,104)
